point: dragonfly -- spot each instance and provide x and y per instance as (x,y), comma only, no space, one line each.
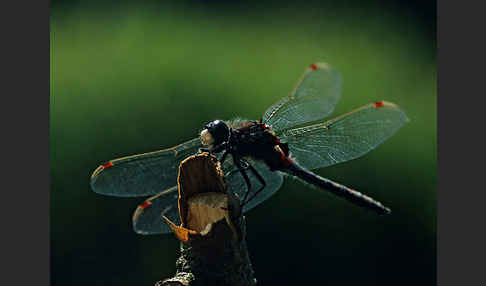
(291,139)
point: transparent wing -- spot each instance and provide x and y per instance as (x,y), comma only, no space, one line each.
(143,174)
(237,184)
(313,98)
(147,218)
(346,137)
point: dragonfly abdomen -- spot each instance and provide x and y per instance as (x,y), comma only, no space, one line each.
(351,195)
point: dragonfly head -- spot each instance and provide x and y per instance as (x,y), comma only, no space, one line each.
(215,133)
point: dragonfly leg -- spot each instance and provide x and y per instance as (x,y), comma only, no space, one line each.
(244,164)
(223,158)
(260,179)
(242,170)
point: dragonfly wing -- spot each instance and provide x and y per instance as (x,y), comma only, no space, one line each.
(313,98)
(147,218)
(143,174)
(237,184)
(346,137)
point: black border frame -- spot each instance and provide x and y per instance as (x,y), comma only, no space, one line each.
(25,117)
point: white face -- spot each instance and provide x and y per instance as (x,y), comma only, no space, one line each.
(206,138)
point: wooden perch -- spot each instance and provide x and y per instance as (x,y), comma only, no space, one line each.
(212,230)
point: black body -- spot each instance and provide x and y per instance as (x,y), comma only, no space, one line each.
(351,195)
(255,139)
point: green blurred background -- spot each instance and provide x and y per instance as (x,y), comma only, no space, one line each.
(131,77)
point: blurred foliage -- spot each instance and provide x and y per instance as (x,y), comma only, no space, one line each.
(130,78)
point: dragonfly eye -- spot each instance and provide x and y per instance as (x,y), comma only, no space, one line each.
(218,130)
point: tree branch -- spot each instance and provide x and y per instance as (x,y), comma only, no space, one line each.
(212,232)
